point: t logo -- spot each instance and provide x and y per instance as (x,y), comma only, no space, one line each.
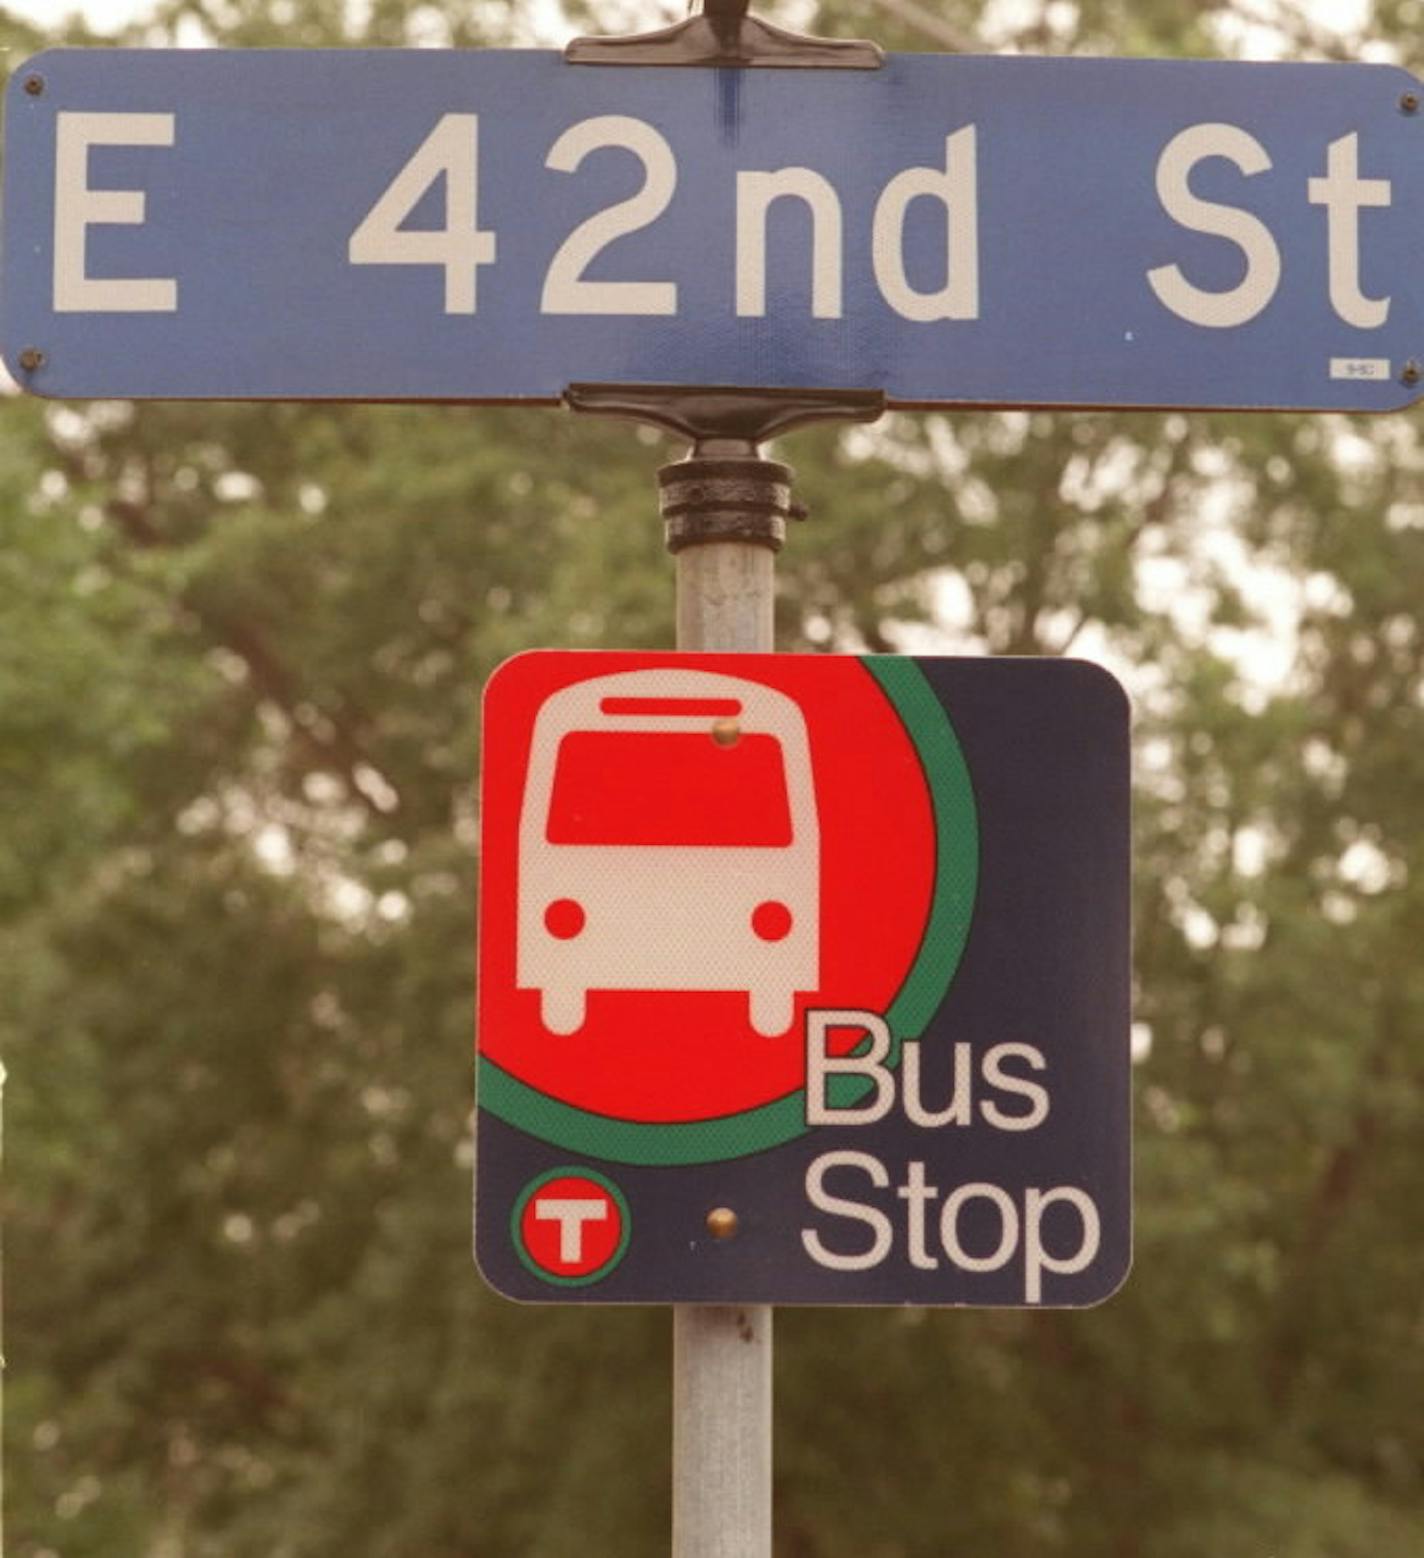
(571,1226)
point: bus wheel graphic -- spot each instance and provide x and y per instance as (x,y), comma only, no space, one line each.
(563,1010)
(770,1011)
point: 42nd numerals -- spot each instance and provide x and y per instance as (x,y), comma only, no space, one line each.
(461,246)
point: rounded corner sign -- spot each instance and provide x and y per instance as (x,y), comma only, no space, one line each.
(494,225)
(837,945)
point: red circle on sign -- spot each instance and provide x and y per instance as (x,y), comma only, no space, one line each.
(564,919)
(684,1054)
(772,921)
(571,1226)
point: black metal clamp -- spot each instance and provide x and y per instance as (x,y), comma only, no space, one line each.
(724,34)
(724,490)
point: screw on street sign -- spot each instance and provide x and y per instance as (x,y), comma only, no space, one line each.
(495,225)
(803,979)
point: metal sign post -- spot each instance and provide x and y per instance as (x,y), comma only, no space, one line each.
(725,511)
(722,1357)
(721,1431)
(721,1371)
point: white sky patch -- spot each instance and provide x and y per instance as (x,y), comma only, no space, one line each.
(544,23)
(1365,866)
(1247,34)
(236,487)
(1263,652)
(273,847)
(1250,851)
(105,15)
(1198,927)
(1247,932)
(238,1228)
(350,901)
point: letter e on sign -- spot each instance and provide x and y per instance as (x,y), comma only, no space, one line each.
(77,207)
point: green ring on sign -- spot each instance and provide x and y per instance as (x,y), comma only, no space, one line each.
(663,1143)
(516,1219)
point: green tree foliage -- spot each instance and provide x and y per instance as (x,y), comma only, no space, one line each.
(240,658)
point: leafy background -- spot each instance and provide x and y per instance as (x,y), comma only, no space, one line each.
(241,649)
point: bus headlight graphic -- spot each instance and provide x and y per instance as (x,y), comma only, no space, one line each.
(564,918)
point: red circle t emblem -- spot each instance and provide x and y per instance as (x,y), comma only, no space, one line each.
(571,1226)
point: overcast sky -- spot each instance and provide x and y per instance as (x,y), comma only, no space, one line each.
(104,14)
(108,14)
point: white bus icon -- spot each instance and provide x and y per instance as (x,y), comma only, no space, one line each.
(668,840)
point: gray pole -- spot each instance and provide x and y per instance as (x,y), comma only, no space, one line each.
(721,1431)
(725,512)
(721,1401)
(724,596)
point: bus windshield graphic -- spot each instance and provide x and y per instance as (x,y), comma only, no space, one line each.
(668,787)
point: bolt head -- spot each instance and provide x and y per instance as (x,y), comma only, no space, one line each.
(722,1222)
(1410,373)
(34,85)
(1409,102)
(32,358)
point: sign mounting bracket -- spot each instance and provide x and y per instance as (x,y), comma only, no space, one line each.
(723,490)
(724,34)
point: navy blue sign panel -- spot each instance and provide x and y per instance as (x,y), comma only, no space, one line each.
(803,979)
(493,226)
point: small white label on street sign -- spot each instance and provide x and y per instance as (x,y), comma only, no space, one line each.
(1359,367)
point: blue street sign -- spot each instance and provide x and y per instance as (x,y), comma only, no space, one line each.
(493,226)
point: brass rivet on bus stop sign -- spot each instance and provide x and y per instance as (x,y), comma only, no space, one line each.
(34,85)
(1409,374)
(726,732)
(1409,102)
(722,1222)
(32,358)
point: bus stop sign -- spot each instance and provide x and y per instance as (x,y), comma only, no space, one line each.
(803,979)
